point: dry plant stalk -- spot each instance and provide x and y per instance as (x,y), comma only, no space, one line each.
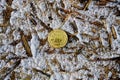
(33,8)
(113,32)
(101,3)
(107,59)
(86,35)
(50,51)
(87,4)
(104,24)
(74,26)
(97,23)
(45,26)
(72,37)
(37,70)
(100,42)
(110,40)
(6,71)
(6,16)
(32,20)
(76,6)
(25,44)
(14,43)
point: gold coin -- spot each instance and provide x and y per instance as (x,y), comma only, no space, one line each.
(57,38)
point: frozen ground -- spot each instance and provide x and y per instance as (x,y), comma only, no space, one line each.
(94,39)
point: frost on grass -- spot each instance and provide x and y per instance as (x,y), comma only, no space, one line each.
(92,51)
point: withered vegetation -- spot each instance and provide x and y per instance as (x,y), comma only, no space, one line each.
(87,47)
(7,14)
(25,44)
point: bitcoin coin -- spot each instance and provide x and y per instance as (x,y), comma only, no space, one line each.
(57,38)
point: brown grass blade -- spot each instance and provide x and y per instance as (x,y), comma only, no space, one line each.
(110,40)
(87,4)
(6,71)
(113,32)
(37,70)
(74,26)
(97,23)
(33,21)
(72,37)
(6,16)
(45,26)
(25,44)
(107,59)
